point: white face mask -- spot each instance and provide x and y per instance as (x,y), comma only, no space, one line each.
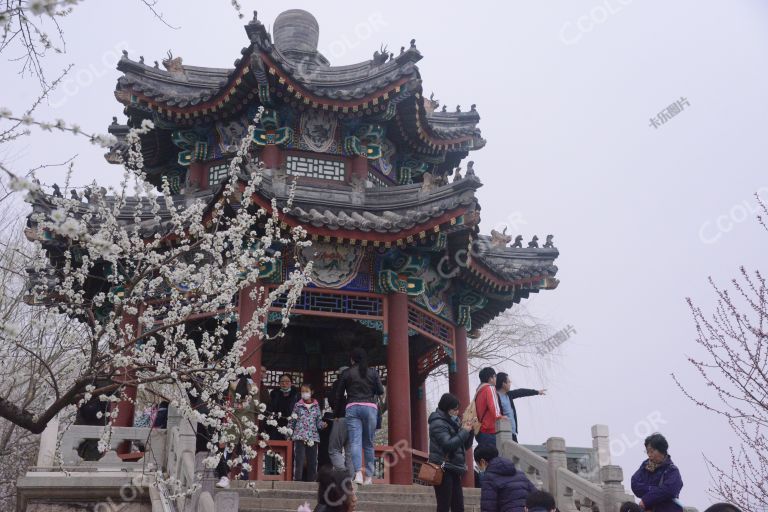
(306,396)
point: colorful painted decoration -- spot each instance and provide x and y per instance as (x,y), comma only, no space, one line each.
(270,132)
(231,133)
(318,128)
(391,282)
(354,146)
(370,133)
(384,164)
(412,168)
(193,147)
(333,266)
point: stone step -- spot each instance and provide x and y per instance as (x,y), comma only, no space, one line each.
(282,496)
(282,504)
(361,490)
(368,496)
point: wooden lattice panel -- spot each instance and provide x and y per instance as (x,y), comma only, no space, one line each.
(430,325)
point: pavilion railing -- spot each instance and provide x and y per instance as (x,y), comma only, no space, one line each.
(572,492)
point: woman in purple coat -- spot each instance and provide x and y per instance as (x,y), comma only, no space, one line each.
(657,482)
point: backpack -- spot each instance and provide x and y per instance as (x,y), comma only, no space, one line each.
(471,410)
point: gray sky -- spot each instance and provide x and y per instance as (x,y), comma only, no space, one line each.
(566,90)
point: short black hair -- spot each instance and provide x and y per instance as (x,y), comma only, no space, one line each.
(448,402)
(486,452)
(658,442)
(630,506)
(723,507)
(540,500)
(307,385)
(501,378)
(486,373)
(287,375)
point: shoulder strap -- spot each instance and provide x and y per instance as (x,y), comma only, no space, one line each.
(479,390)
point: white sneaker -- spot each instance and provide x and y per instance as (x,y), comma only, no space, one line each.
(223,482)
(368,481)
(359,477)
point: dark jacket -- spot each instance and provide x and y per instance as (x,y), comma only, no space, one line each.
(359,389)
(658,489)
(504,488)
(518,393)
(281,403)
(338,404)
(448,442)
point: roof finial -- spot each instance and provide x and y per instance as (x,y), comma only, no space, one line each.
(125,53)
(56,190)
(413,44)
(458,108)
(549,244)
(518,242)
(402,50)
(457,174)
(534,243)
(114,119)
(470,169)
(255,16)
(445,108)
(157,65)
(473,108)
(73,194)
(500,239)
(141,59)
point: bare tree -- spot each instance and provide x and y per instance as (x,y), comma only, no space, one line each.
(735,370)
(512,337)
(49,337)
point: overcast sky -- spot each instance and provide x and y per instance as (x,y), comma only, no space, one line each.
(566,90)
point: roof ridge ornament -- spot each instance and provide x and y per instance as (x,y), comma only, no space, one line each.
(501,239)
(174,65)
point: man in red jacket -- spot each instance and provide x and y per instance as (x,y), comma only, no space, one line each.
(487,407)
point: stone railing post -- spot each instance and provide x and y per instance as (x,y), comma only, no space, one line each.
(601,444)
(613,489)
(48,441)
(555,459)
(503,433)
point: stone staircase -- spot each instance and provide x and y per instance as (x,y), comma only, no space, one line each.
(288,496)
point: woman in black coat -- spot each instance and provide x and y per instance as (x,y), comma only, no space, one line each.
(448,443)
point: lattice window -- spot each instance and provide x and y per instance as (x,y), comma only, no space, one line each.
(271,378)
(329,376)
(315,167)
(333,303)
(217,174)
(421,321)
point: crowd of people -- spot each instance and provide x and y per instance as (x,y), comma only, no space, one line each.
(331,447)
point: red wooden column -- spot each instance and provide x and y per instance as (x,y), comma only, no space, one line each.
(359,168)
(196,175)
(419,427)
(271,156)
(253,350)
(458,384)
(398,384)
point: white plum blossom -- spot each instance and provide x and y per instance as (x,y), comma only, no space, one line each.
(136,290)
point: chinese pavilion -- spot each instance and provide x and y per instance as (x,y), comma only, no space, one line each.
(400,267)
